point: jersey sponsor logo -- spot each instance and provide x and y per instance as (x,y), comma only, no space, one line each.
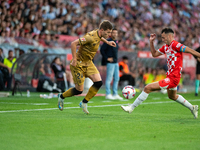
(178,45)
(83,39)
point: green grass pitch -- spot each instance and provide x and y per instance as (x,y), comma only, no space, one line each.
(158,123)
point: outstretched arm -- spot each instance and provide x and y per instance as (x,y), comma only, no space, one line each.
(154,52)
(111,43)
(193,52)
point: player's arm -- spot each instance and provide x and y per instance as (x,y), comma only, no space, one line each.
(73,50)
(154,52)
(111,43)
(191,51)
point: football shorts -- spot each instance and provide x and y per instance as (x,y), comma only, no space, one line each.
(79,72)
(170,83)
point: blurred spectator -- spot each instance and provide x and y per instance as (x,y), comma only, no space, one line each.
(59,71)
(110,56)
(4,71)
(124,73)
(9,63)
(197,81)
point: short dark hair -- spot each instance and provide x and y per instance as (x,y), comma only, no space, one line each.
(10,51)
(167,30)
(125,58)
(105,25)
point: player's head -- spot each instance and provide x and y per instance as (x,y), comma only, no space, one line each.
(105,28)
(114,34)
(167,35)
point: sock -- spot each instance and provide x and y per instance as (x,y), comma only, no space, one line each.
(184,102)
(196,86)
(93,90)
(70,92)
(84,101)
(142,97)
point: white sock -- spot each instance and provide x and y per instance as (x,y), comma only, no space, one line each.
(184,102)
(142,97)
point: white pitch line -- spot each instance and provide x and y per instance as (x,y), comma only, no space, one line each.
(90,106)
(24,103)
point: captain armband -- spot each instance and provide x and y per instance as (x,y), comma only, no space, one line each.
(182,49)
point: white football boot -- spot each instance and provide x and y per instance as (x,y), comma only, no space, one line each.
(128,108)
(84,107)
(195,111)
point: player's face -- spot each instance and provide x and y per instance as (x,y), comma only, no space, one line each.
(114,34)
(166,38)
(106,33)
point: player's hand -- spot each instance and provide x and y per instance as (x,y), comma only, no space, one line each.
(73,63)
(198,59)
(110,59)
(152,37)
(111,43)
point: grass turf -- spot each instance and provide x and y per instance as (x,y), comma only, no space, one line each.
(36,123)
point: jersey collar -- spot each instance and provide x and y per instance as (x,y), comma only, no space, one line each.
(171,42)
(98,34)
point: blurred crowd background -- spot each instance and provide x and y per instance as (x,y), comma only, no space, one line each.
(45,20)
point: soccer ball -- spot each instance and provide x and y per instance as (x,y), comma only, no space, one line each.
(128,92)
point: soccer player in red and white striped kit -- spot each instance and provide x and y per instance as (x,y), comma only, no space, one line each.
(174,51)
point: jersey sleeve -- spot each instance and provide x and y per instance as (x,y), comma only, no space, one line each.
(85,40)
(178,47)
(162,50)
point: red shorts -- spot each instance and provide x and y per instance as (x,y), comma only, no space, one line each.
(169,83)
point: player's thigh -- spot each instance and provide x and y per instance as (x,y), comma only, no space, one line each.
(95,77)
(78,76)
(93,73)
(79,87)
(152,87)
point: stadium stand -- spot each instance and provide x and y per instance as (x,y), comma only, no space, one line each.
(45,20)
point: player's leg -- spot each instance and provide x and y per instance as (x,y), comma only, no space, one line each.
(94,75)
(78,89)
(96,78)
(142,97)
(172,94)
(97,83)
(109,76)
(115,82)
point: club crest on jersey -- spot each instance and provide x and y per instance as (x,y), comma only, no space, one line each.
(83,39)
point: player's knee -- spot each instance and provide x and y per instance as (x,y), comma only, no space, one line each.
(77,92)
(98,84)
(147,89)
(172,97)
